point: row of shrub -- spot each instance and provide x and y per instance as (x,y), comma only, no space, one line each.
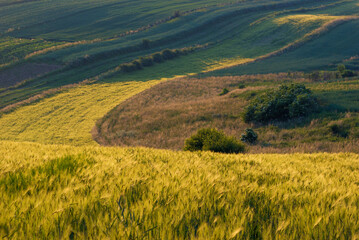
(158,57)
(342,72)
(144,45)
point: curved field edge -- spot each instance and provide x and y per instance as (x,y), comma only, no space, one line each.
(174,32)
(208,67)
(59,191)
(325,28)
(165,115)
(59,131)
(68,116)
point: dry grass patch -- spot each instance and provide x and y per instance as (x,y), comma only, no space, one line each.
(168,113)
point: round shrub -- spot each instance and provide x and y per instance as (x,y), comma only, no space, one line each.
(249,136)
(340,130)
(241,86)
(210,139)
(285,103)
(224,92)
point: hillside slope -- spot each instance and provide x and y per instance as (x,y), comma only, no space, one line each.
(225,35)
(234,33)
(165,115)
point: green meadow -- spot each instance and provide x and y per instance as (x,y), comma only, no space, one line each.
(234,33)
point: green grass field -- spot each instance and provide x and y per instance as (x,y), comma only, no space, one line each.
(307,57)
(56,191)
(235,32)
(13,49)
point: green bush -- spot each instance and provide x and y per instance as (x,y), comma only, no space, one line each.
(224,92)
(168,54)
(131,67)
(209,139)
(241,86)
(146,61)
(282,104)
(249,136)
(128,67)
(341,68)
(157,57)
(340,130)
(137,64)
(345,72)
(349,73)
(176,14)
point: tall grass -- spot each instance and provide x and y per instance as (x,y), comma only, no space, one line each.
(53,191)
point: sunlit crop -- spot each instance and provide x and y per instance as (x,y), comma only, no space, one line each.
(67,117)
(54,191)
(304,19)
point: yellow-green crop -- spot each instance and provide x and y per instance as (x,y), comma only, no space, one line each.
(57,191)
(67,117)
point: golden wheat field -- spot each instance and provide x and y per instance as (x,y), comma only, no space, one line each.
(66,192)
(69,116)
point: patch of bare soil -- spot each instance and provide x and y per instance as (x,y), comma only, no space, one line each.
(12,76)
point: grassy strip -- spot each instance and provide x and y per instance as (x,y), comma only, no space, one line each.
(298,43)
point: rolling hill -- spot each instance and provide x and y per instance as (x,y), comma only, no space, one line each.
(231,33)
(75,75)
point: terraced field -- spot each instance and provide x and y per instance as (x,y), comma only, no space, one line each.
(235,33)
(232,33)
(323,53)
